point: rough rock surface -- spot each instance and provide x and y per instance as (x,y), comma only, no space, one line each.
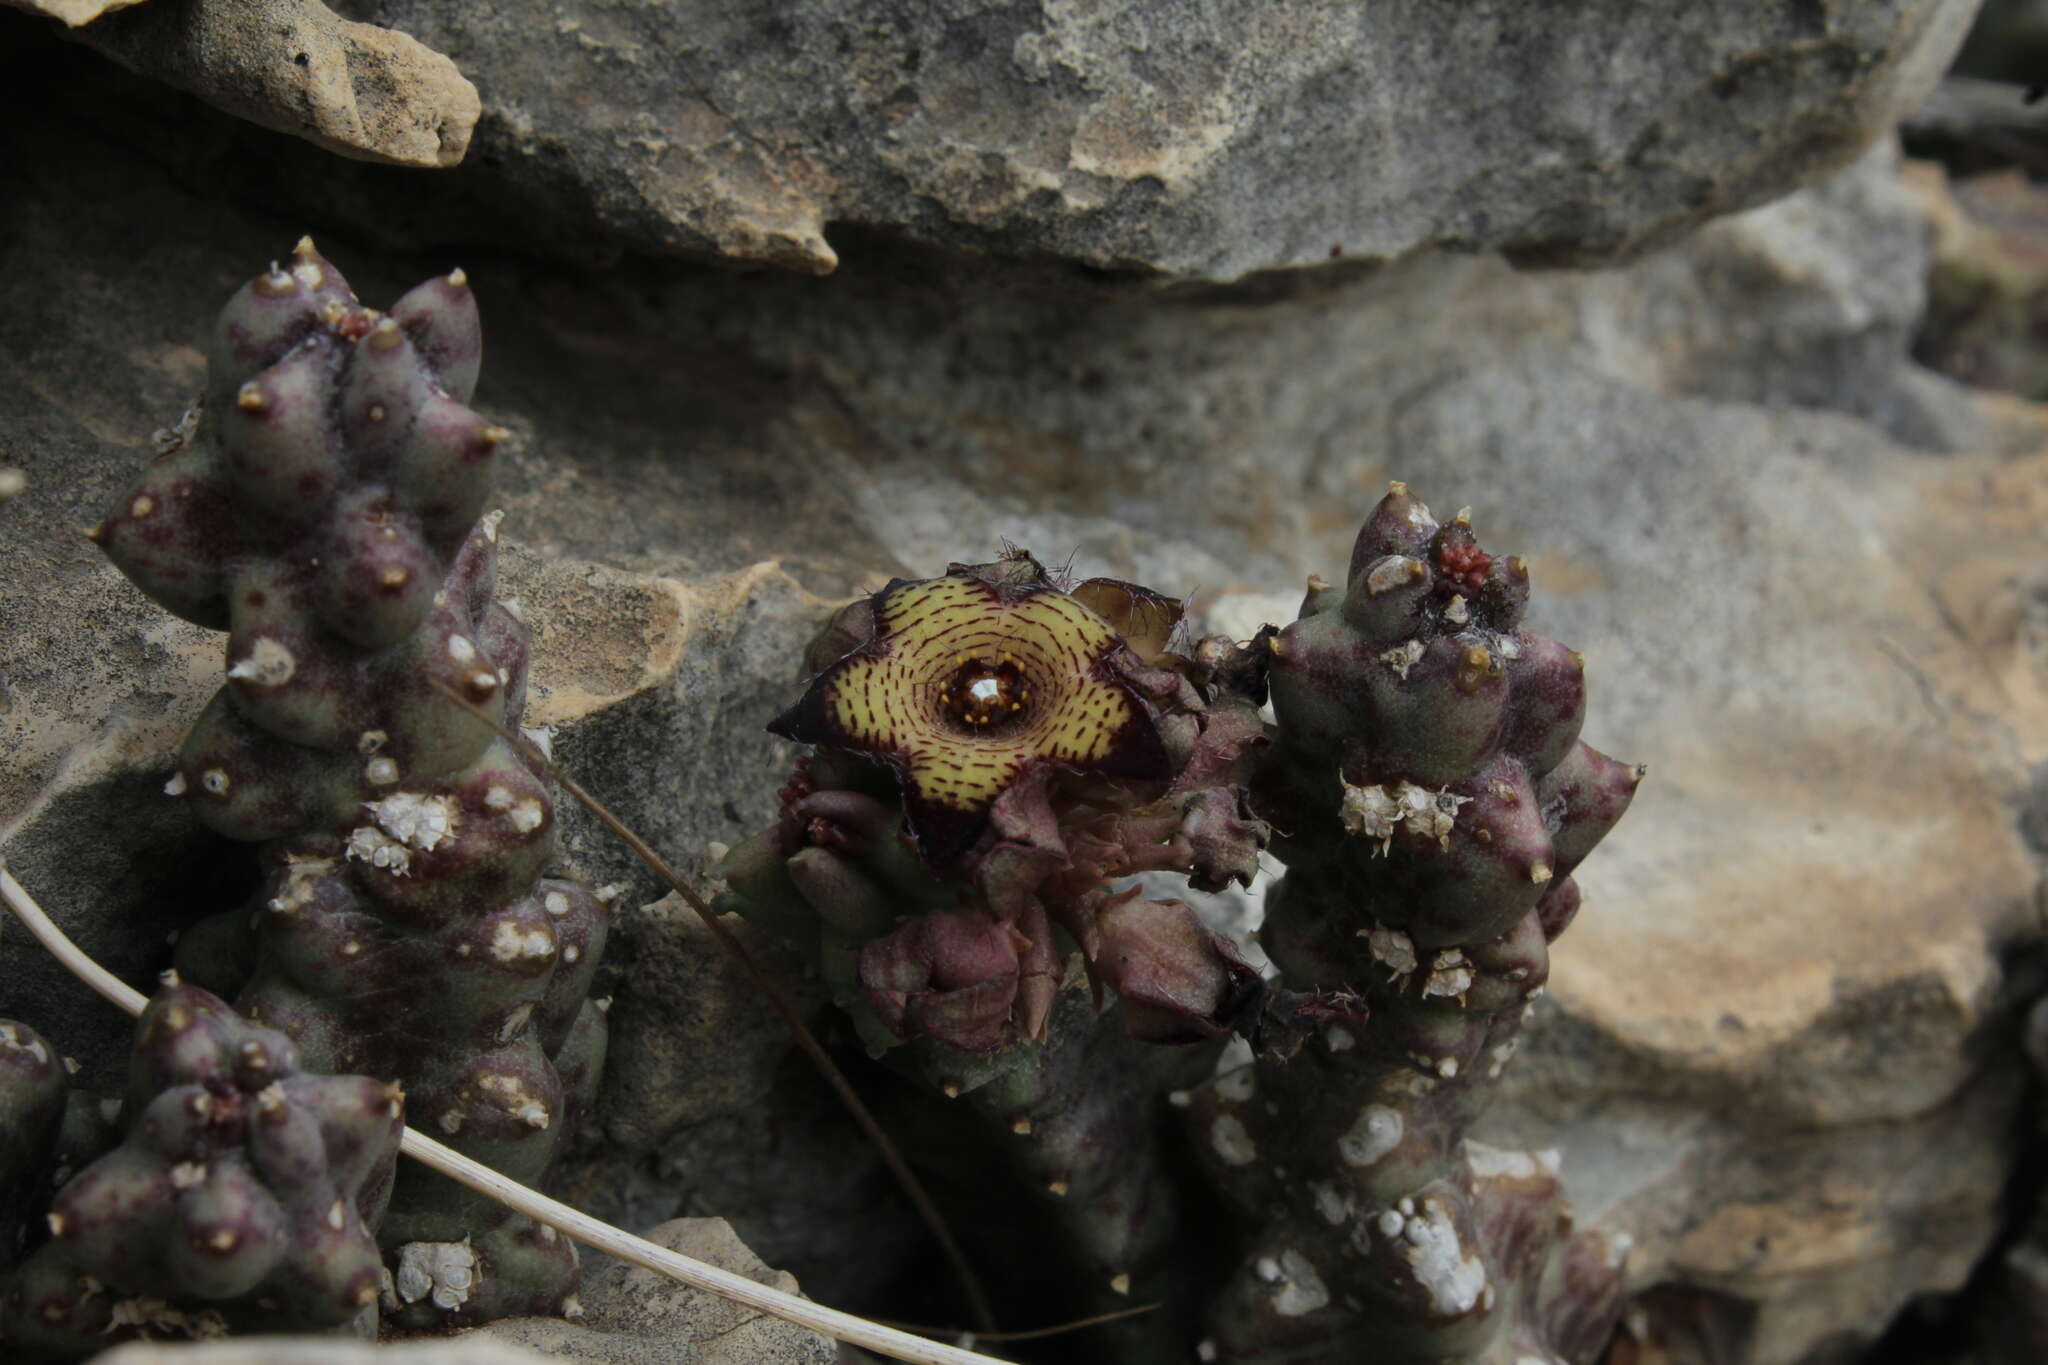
(296,66)
(1196,141)
(71,12)
(1772,1048)
(635,1317)
(324,1351)
(1987,315)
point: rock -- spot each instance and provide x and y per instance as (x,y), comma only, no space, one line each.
(71,12)
(1987,319)
(1805,574)
(1166,138)
(294,65)
(462,1350)
(635,1317)
(680,992)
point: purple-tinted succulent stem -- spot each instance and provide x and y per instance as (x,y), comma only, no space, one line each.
(1434,798)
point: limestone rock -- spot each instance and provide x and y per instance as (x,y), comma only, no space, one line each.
(71,12)
(1987,318)
(699,1041)
(1190,141)
(462,1350)
(294,65)
(635,1317)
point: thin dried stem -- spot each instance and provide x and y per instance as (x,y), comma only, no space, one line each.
(913,1188)
(1034,1334)
(889,1341)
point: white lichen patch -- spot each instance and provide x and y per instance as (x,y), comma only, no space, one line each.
(1332,1203)
(555,903)
(1402,657)
(21,1040)
(187,1175)
(176,786)
(527,816)
(1493,1163)
(373,846)
(441,1272)
(518,1101)
(1393,571)
(452,1119)
(380,772)
(267,664)
(509,942)
(541,737)
(1376,813)
(421,822)
(1392,949)
(1238,1086)
(1457,613)
(337,1215)
(1500,1056)
(1428,1240)
(1372,1135)
(1301,1289)
(1447,1067)
(1449,975)
(498,799)
(460,649)
(1337,1038)
(302,877)
(1370,813)
(1431,814)
(490,522)
(1228,1136)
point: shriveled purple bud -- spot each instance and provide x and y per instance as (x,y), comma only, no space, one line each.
(950,975)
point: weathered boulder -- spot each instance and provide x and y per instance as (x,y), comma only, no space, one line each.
(1183,140)
(293,65)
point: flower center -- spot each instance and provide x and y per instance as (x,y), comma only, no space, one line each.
(983,694)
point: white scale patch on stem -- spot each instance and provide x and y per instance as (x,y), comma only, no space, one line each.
(1449,975)
(1301,1290)
(421,822)
(1375,1132)
(1228,1136)
(1375,813)
(442,1272)
(1402,657)
(267,664)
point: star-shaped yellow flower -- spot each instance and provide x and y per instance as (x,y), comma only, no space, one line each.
(970,682)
